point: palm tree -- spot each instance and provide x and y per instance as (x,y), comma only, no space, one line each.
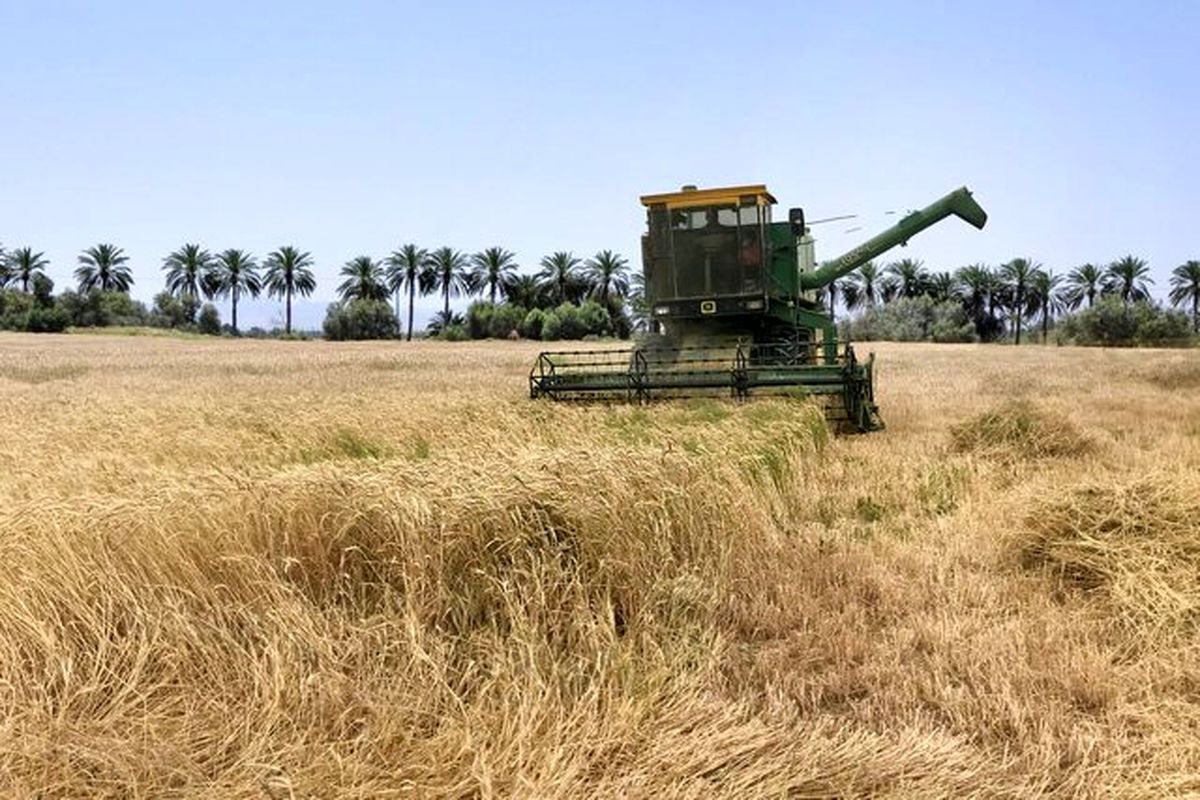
(976,284)
(442,320)
(289,272)
(234,274)
(979,290)
(24,265)
(1045,297)
(404,269)
(1016,275)
(188,272)
(942,286)
(525,291)
(493,268)
(4,273)
(103,267)
(1185,288)
(1084,283)
(831,291)
(558,274)
(909,276)
(448,275)
(639,309)
(607,273)
(364,280)
(864,286)
(1128,277)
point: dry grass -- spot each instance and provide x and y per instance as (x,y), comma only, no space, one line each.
(1019,429)
(1133,539)
(291,569)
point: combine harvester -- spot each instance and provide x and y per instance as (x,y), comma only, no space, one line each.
(734,298)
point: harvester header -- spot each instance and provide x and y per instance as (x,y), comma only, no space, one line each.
(732,298)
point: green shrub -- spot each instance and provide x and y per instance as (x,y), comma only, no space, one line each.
(32,313)
(43,290)
(455,333)
(14,305)
(1158,327)
(1110,323)
(209,321)
(911,319)
(45,320)
(950,323)
(360,319)
(96,309)
(532,325)
(506,318)
(170,311)
(596,319)
(479,318)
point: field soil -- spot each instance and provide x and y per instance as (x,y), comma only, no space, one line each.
(314,570)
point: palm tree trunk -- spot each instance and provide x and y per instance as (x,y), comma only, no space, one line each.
(233,299)
(493,293)
(412,291)
(446,307)
(1196,311)
(1018,320)
(1045,325)
(288,324)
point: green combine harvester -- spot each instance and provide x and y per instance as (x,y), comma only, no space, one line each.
(734,298)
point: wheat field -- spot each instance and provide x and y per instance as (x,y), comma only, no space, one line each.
(314,570)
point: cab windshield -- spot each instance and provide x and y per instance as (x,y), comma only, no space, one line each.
(706,251)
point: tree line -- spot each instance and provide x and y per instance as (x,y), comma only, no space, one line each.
(1001,301)
(996,301)
(193,274)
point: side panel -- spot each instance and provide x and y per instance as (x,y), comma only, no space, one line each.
(782,279)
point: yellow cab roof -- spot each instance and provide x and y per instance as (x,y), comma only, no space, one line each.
(722,195)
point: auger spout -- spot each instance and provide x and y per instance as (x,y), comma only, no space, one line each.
(958,203)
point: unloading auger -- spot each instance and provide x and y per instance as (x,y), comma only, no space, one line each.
(733,296)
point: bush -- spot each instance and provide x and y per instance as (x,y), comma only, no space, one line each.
(1111,324)
(951,324)
(31,313)
(97,309)
(43,291)
(118,308)
(911,319)
(1157,326)
(479,318)
(170,311)
(531,326)
(45,320)
(14,306)
(564,322)
(596,319)
(454,333)
(485,320)
(209,321)
(360,319)
(505,319)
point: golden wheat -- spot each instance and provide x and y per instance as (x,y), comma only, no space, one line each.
(289,569)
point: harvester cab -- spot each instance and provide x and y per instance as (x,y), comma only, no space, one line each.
(731,296)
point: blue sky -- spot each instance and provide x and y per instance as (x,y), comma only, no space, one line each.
(349,128)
